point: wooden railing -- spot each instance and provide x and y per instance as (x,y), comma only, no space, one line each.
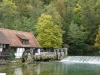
(4,55)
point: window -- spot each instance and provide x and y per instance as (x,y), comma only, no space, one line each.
(2,45)
(25,42)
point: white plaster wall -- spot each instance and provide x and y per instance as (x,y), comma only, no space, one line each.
(1,49)
(19,52)
(38,52)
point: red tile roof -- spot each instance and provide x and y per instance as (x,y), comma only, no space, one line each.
(10,37)
(2,37)
(22,36)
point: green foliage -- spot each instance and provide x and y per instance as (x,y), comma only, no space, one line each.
(23,15)
(77,14)
(76,39)
(61,8)
(48,34)
(97,11)
(89,20)
(69,14)
(12,55)
(37,8)
(7,13)
(46,1)
(52,10)
(75,33)
(86,15)
(23,8)
(98,39)
(92,50)
(24,24)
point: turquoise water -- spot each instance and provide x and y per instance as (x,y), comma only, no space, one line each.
(51,68)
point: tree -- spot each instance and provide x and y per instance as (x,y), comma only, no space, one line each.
(48,34)
(75,33)
(46,1)
(52,10)
(37,8)
(24,24)
(97,11)
(97,40)
(89,18)
(69,7)
(76,39)
(24,8)
(77,14)
(61,8)
(7,13)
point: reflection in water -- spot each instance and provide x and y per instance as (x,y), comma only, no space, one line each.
(46,68)
(37,69)
(51,68)
(18,71)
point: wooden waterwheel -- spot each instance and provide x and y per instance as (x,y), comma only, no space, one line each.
(27,56)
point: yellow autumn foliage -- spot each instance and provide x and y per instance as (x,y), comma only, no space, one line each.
(97,40)
(48,33)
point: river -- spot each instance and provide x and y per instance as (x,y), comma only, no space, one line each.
(51,68)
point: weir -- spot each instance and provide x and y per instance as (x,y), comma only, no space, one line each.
(82,59)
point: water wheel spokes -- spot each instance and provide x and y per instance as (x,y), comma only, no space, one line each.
(27,55)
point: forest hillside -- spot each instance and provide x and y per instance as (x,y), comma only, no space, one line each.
(56,22)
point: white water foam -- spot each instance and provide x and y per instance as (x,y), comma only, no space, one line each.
(82,59)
